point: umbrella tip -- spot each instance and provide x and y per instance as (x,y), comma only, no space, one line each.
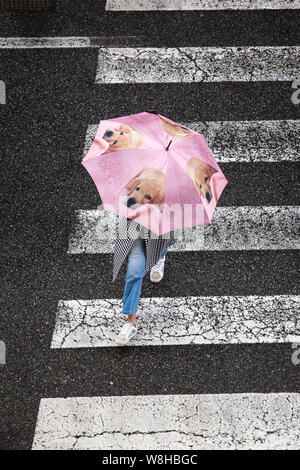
(151,111)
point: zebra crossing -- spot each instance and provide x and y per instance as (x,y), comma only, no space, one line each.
(188,421)
(197,64)
(242,141)
(181,321)
(218,421)
(235,228)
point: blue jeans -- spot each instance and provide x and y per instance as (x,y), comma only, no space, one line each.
(136,263)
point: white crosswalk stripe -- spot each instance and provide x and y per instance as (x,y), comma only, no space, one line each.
(180,320)
(217,421)
(148,5)
(197,64)
(233,228)
(242,141)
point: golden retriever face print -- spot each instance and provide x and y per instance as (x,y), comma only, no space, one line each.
(175,130)
(147,187)
(200,173)
(123,138)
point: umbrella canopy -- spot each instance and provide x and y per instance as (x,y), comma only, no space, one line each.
(151,169)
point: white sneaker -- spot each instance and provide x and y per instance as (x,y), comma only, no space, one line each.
(157,271)
(127,332)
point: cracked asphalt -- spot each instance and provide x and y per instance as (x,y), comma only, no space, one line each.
(52,98)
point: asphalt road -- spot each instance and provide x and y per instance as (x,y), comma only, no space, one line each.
(51,99)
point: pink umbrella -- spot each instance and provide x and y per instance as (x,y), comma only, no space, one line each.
(151,169)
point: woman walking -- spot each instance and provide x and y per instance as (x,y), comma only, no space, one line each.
(144,253)
(148,160)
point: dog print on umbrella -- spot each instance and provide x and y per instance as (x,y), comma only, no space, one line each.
(175,130)
(127,137)
(200,173)
(147,187)
(123,138)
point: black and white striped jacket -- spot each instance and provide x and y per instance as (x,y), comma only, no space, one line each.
(128,231)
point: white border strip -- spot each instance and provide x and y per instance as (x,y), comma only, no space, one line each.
(59,42)
(185,5)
